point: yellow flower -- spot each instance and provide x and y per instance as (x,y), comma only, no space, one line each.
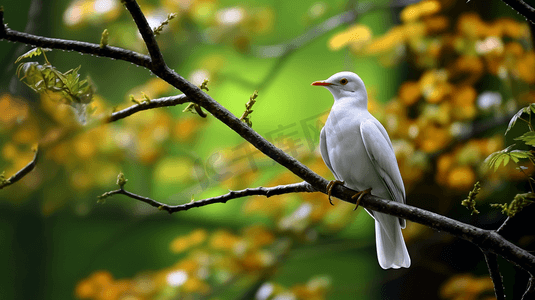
(415,11)
(81,180)
(259,236)
(9,151)
(438,93)
(525,67)
(465,286)
(469,68)
(180,244)
(514,49)
(188,265)
(433,139)
(463,100)
(85,146)
(513,28)
(357,35)
(471,25)
(223,240)
(13,109)
(436,24)
(185,128)
(388,41)
(263,20)
(409,92)
(92,286)
(195,285)
(461,177)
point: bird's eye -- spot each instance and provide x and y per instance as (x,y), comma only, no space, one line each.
(343,81)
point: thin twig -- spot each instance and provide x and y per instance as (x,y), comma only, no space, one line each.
(324,27)
(485,239)
(22,172)
(154,103)
(259,191)
(503,226)
(522,8)
(495,275)
(530,289)
(2,24)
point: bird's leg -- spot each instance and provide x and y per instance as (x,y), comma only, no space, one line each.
(360,194)
(330,188)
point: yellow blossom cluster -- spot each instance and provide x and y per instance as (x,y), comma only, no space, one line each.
(467,287)
(235,25)
(89,156)
(430,114)
(315,289)
(214,260)
(17,151)
(102,286)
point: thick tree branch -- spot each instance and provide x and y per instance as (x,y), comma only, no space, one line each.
(522,8)
(82,47)
(22,172)
(259,191)
(146,33)
(485,239)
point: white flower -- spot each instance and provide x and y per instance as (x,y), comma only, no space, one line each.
(488,100)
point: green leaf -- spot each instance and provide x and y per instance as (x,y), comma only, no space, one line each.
(34,52)
(514,119)
(519,202)
(504,156)
(521,154)
(506,160)
(499,160)
(46,78)
(528,138)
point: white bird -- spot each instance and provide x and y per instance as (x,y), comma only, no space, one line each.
(357,150)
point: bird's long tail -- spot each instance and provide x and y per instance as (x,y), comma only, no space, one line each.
(391,249)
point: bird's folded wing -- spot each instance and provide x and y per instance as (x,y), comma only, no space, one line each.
(325,152)
(382,155)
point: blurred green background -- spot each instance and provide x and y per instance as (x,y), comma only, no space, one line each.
(54,234)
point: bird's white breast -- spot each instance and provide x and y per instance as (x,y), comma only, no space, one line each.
(347,153)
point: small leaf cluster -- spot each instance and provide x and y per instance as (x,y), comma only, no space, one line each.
(248,109)
(196,108)
(518,116)
(503,157)
(44,78)
(519,202)
(158,30)
(470,202)
(3,180)
(506,155)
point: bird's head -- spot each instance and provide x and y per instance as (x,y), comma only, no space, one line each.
(345,84)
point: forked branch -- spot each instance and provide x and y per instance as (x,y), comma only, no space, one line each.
(487,240)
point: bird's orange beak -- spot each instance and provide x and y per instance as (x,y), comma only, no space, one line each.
(321,83)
